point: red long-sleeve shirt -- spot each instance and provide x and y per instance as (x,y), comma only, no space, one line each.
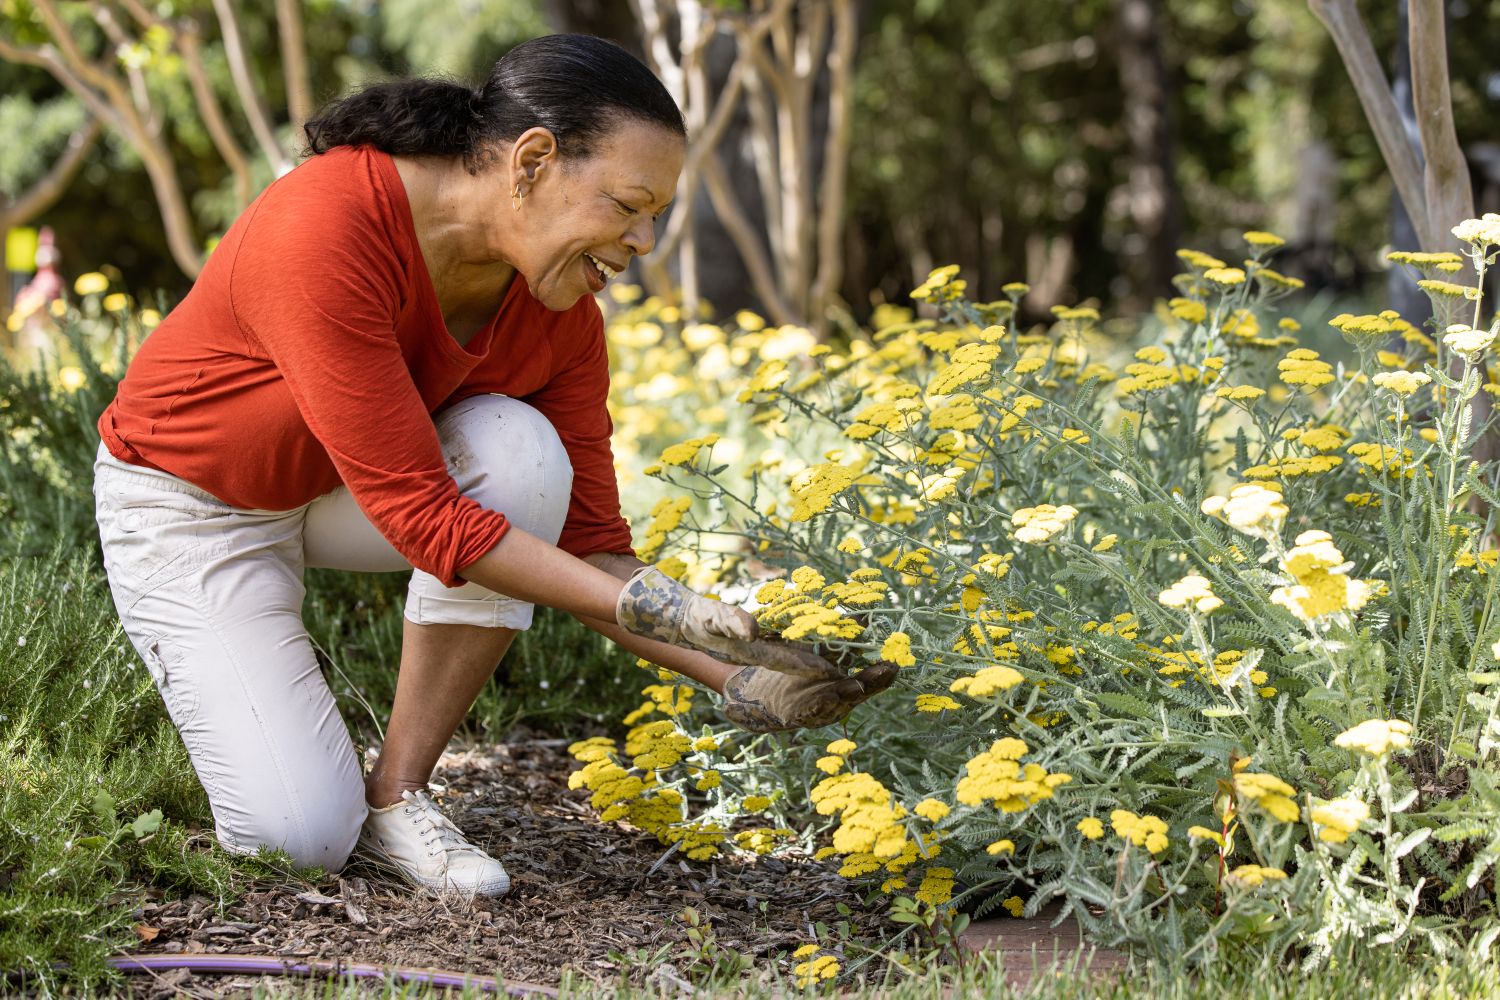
(312,351)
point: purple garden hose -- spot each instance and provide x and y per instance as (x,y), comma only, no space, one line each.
(271,965)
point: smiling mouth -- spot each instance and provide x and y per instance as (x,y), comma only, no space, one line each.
(605,272)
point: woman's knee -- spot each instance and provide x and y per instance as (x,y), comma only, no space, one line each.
(321,841)
(320,834)
(506,455)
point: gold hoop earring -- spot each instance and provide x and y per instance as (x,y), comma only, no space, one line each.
(515,198)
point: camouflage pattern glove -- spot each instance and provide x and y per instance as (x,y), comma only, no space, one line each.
(656,606)
(768,701)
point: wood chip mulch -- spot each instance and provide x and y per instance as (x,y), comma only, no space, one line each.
(600,900)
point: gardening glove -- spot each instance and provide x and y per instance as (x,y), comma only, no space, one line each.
(768,701)
(655,606)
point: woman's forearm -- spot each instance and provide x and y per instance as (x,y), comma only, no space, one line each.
(689,663)
(523,566)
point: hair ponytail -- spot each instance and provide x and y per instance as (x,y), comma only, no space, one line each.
(403,117)
(575,86)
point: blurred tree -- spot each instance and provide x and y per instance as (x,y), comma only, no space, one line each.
(790,67)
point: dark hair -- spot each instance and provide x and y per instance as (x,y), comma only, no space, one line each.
(577,87)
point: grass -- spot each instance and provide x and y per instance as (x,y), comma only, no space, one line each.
(1376,973)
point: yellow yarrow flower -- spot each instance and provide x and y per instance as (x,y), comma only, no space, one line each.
(1259,238)
(1322,583)
(931,810)
(1204,833)
(936,887)
(90,283)
(1302,367)
(1250,508)
(1337,818)
(987,681)
(1402,383)
(1091,827)
(1227,276)
(1269,792)
(1463,339)
(816,970)
(1376,736)
(1193,592)
(1254,875)
(936,703)
(1145,831)
(1038,524)
(897,649)
(686,451)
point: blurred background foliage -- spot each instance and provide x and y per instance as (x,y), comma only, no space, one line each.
(1007,137)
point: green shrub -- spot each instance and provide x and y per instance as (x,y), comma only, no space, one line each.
(1199,644)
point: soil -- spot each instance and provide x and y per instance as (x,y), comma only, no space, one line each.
(602,901)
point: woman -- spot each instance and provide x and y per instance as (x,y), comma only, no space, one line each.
(394,358)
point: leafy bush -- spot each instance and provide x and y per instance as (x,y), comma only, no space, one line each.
(1200,644)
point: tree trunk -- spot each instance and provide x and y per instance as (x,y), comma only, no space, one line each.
(1152,186)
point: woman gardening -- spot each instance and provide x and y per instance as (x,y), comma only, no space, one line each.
(394,359)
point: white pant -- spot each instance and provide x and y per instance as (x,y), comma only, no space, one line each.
(211,597)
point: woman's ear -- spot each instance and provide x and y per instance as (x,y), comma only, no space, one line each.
(533,154)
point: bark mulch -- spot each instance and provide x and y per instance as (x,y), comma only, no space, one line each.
(600,900)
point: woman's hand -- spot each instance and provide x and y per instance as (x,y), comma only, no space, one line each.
(655,606)
(762,700)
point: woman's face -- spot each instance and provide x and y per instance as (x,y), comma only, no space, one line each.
(581,220)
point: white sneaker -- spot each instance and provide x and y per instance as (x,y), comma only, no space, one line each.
(429,850)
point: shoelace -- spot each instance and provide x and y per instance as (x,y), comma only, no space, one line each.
(433,822)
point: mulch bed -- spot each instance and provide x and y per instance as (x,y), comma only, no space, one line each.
(598,899)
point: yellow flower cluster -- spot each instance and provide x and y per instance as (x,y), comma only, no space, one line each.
(997,777)
(762,839)
(810,607)
(1296,465)
(1444,260)
(815,487)
(970,363)
(987,681)
(1249,876)
(1037,524)
(1337,818)
(1302,367)
(1227,276)
(1192,592)
(941,285)
(1400,382)
(666,516)
(813,970)
(669,699)
(764,384)
(1145,831)
(1251,508)
(1322,583)
(1270,793)
(1382,458)
(869,820)
(1371,329)
(897,649)
(936,887)
(1464,339)
(1376,736)
(1482,232)
(685,451)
